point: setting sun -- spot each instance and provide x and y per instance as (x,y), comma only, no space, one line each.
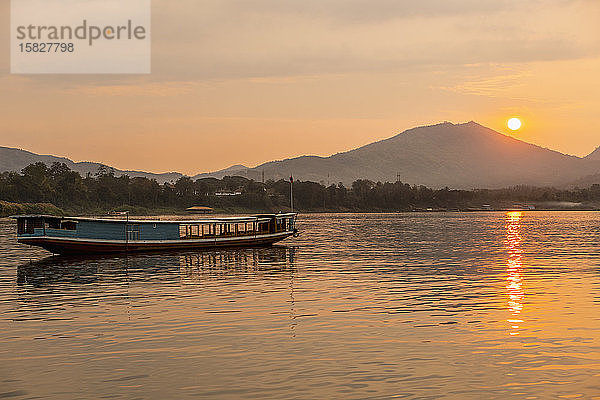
(514,124)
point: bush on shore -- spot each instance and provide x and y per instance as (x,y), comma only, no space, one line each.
(7,209)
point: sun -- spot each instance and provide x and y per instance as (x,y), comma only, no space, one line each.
(514,124)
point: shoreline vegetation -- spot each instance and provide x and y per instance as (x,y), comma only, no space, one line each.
(57,190)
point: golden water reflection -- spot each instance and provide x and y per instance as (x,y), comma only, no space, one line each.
(514,269)
(196,266)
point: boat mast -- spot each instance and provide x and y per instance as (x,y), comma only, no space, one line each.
(292,192)
(126,213)
(127,232)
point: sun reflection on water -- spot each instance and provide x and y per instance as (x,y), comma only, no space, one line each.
(514,279)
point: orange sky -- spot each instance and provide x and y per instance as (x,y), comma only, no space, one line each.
(252,81)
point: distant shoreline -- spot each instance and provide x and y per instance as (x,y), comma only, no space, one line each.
(157,213)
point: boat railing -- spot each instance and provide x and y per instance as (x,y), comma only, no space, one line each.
(194,234)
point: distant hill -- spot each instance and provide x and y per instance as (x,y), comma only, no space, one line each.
(462,156)
(592,179)
(15,160)
(234,170)
(594,155)
(455,155)
(586,181)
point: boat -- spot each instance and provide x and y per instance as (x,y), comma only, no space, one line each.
(86,235)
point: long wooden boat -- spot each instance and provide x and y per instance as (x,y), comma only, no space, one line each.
(84,235)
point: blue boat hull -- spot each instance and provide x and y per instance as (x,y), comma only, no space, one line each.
(82,246)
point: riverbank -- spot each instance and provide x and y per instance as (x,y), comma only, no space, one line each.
(7,209)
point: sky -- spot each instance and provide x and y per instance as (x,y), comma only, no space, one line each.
(245,82)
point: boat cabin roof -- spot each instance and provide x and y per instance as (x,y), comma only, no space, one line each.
(222,220)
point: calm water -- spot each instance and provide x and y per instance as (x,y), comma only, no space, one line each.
(462,306)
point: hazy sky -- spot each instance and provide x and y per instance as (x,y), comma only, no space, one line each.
(256,80)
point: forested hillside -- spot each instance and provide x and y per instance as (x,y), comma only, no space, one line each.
(59,186)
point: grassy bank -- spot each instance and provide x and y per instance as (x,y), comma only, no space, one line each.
(7,209)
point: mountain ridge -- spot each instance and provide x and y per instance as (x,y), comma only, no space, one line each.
(14,160)
(594,155)
(440,155)
(461,156)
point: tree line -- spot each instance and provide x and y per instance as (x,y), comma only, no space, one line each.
(103,191)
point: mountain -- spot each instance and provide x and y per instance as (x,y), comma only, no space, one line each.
(586,181)
(455,155)
(234,170)
(594,155)
(462,156)
(16,159)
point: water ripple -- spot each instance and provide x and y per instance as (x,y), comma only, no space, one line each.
(465,306)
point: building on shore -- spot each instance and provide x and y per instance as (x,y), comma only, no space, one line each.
(199,210)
